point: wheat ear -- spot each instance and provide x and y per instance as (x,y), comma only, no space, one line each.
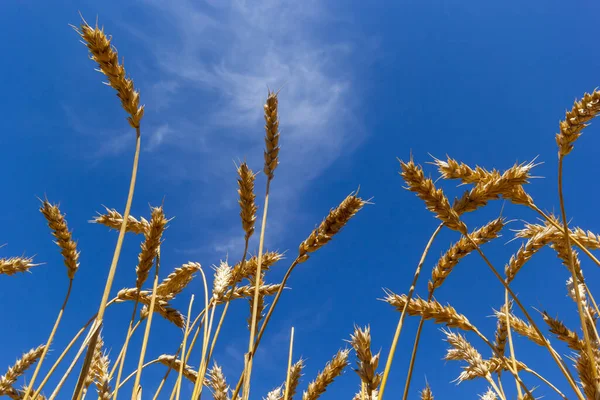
(58,225)
(217,383)
(104,54)
(19,368)
(271,110)
(331,371)
(13,265)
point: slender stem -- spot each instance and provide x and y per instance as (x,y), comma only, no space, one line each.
(266,321)
(388,364)
(248,369)
(227,301)
(126,344)
(73,363)
(138,375)
(199,384)
(289,367)
(510,342)
(135,372)
(164,379)
(488,378)
(541,378)
(113,267)
(553,353)
(586,335)
(49,341)
(118,360)
(65,351)
(413,356)
(589,294)
(185,336)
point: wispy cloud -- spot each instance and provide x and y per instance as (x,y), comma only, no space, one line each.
(215,61)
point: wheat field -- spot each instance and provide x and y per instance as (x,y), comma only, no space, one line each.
(496,360)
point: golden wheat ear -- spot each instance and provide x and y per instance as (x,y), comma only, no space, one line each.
(332,370)
(14,265)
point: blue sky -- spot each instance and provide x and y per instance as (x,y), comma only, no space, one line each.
(362,84)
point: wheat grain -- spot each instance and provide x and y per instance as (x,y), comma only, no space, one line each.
(103,52)
(58,224)
(331,371)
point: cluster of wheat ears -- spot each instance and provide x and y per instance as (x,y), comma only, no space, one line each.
(246,280)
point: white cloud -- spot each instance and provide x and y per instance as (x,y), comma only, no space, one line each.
(216,60)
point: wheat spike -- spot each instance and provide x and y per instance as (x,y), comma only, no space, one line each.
(247,199)
(58,224)
(248,269)
(331,371)
(295,375)
(97,363)
(426,394)
(367,362)
(526,251)
(19,368)
(150,245)
(217,383)
(434,198)
(453,169)
(507,185)
(174,363)
(521,327)
(462,350)
(461,249)
(222,280)
(103,379)
(113,219)
(177,280)
(584,370)
(103,52)
(334,222)
(446,315)
(502,331)
(576,120)
(489,395)
(161,307)
(272,134)
(492,365)
(563,333)
(275,394)
(13,265)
